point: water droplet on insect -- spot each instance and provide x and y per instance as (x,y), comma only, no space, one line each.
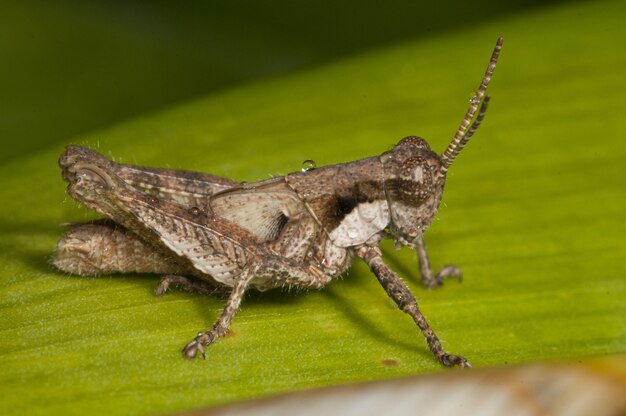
(194,210)
(353,232)
(473,98)
(308,165)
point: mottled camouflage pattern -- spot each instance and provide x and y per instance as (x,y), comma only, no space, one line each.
(207,233)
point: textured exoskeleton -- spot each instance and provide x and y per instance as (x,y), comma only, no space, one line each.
(206,233)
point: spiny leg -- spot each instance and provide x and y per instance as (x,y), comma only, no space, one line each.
(401,294)
(428,279)
(189,284)
(206,338)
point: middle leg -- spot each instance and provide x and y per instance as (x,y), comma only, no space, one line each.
(206,338)
(271,271)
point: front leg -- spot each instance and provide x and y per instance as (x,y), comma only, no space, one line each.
(403,297)
(428,279)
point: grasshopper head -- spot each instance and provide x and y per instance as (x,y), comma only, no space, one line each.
(414,175)
(413,186)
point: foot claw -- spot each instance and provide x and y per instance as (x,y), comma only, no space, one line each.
(450,360)
(449,270)
(162,287)
(192,349)
(197,345)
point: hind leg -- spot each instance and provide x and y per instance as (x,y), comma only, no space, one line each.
(189,284)
(104,247)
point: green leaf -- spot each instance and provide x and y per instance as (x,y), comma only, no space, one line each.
(533,213)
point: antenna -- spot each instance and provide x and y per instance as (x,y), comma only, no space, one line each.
(466,131)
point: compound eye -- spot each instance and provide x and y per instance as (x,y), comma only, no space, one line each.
(432,165)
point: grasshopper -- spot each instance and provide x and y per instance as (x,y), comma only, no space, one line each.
(208,234)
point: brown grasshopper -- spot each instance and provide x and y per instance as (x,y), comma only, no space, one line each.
(206,233)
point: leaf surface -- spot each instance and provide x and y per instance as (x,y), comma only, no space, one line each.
(533,214)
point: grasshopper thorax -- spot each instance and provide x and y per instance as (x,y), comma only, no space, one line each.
(413,186)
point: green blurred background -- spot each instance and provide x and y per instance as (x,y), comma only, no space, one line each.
(533,211)
(70,67)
